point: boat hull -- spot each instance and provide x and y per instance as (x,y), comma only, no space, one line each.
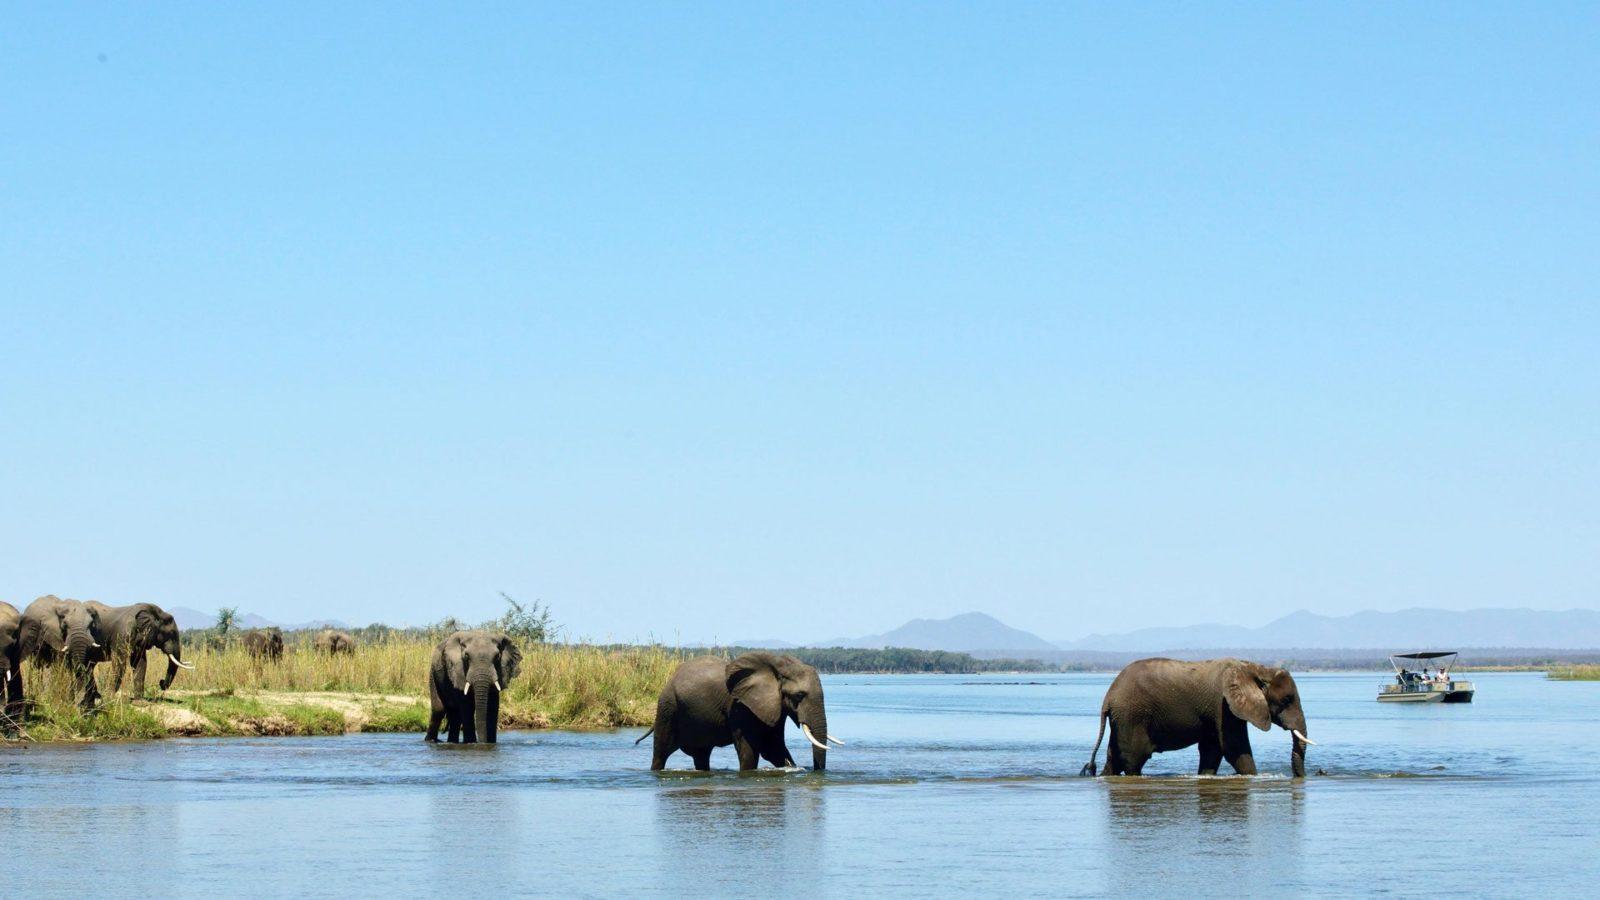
(1462,696)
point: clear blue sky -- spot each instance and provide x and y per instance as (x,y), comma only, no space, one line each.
(798,322)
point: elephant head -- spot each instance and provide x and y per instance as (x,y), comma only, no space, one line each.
(1265,697)
(478,663)
(155,627)
(774,688)
(70,629)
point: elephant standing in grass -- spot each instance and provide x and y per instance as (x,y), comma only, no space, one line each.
(1156,705)
(711,702)
(131,632)
(469,670)
(334,643)
(264,643)
(10,664)
(55,629)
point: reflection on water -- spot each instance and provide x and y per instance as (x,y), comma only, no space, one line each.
(949,785)
(723,831)
(1238,825)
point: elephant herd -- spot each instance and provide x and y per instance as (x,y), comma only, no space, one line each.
(1153,705)
(81,635)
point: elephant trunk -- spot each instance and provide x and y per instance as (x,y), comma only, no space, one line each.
(814,718)
(174,653)
(482,685)
(79,643)
(1295,721)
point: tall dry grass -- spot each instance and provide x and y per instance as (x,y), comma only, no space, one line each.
(560,686)
(1575,673)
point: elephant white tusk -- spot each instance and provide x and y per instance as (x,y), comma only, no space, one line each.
(834,740)
(1302,737)
(181,664)
(497,685)
(814,742)
(93,644)
(8,674)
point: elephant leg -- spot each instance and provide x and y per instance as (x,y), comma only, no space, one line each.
(702,759)
(18,706)
(775,752)
(748,757)
(1243,763)
(454,724)
(434,718)
(1134,749)
(140,664)
(664,746)
(1210,754)
(1236,748)
(1114,763)
(469,728)
(118,666)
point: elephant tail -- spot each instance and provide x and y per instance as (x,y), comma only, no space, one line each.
(1089,769)
(645,735)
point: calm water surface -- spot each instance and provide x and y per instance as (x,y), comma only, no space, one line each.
(950,784)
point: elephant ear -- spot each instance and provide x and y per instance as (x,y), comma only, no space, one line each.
(1246,699)
(510,659)
(54,632)
(753,683)
(145,625)
(455,666)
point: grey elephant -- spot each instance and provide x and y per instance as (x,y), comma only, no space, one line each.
(264,643)
(334,643)
(68,631)
(711,702)
(468,672)
(131,632)
(10,664)
(1156,705)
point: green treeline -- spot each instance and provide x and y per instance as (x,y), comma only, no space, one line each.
(843,660)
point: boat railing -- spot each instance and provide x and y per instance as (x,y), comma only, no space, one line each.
(1427,687)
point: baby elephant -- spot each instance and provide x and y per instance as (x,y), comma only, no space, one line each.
(711,702)
(470,668)
(1156,705)
(334,643)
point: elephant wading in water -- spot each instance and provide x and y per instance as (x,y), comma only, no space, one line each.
(66,630)
(10,665)
(334,642)
(264,644)
(1156,705)
(131,632)
(710,702)
(470,668)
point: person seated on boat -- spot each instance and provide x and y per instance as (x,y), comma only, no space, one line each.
(1403,677)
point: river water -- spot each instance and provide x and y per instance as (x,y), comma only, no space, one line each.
(949,785)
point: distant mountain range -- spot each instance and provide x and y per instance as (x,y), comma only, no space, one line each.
(1407,629)
(966,633)
(194,618)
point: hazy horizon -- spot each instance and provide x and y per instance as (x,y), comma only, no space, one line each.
(734,323)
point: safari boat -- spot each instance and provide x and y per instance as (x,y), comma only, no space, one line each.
(1424,677)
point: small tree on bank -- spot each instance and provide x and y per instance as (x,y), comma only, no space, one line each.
(529,623)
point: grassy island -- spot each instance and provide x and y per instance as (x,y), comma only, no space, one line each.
(381,687)
(1575,673)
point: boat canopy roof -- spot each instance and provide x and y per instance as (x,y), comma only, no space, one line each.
(1447,659)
